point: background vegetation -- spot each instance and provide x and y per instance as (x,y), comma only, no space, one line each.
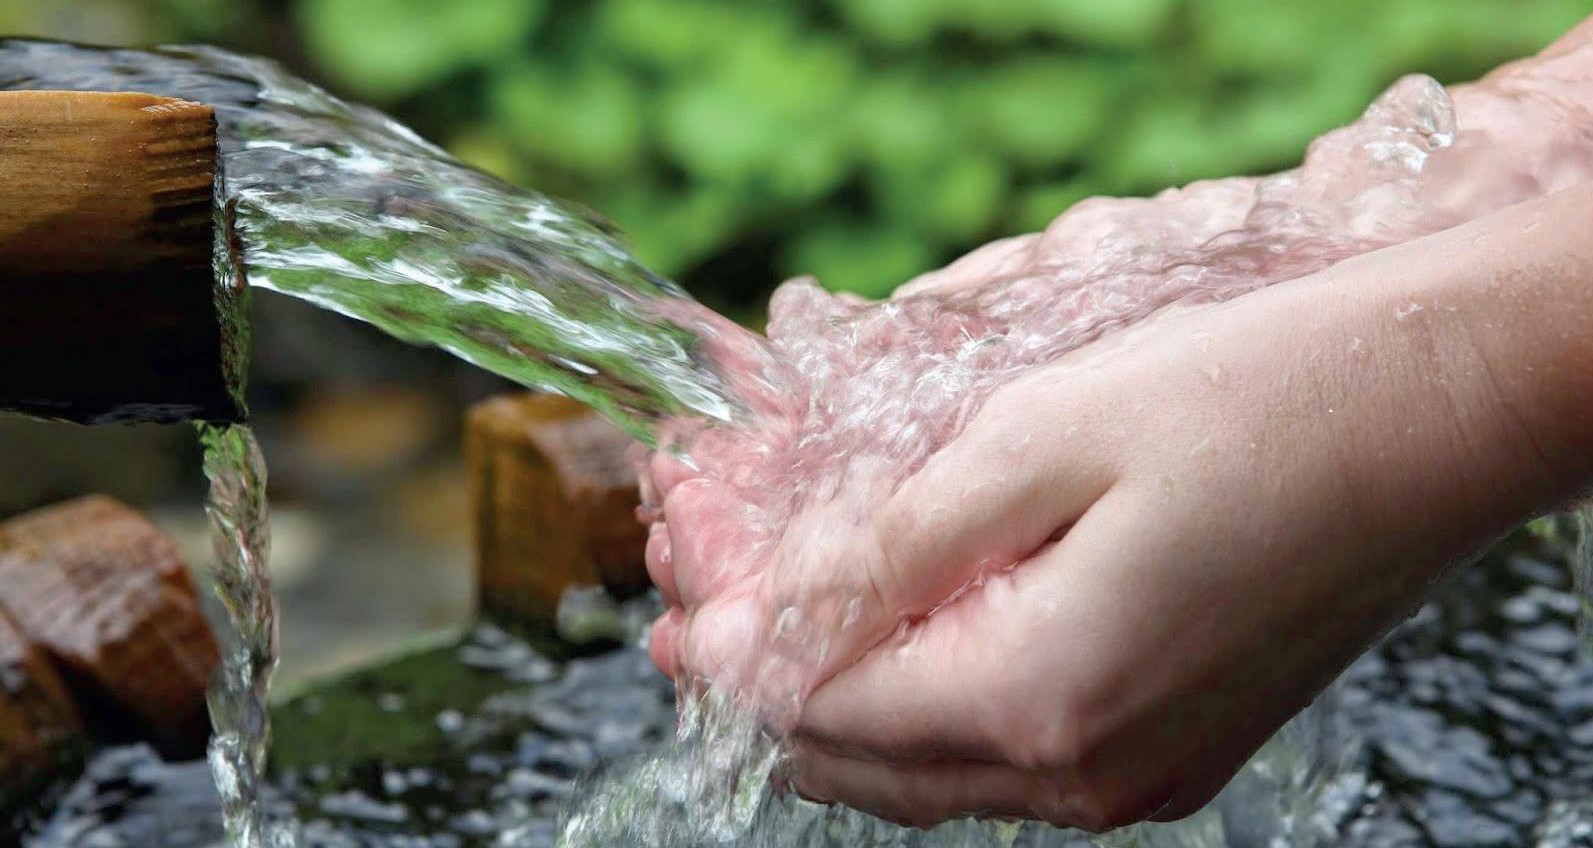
(740,141)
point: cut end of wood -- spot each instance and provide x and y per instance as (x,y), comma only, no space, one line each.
(96,182)
(105,596)
(107,225)
(554,498)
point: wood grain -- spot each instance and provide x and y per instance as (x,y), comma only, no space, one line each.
(103,593)
(108,300)
(554,499)
(40,732)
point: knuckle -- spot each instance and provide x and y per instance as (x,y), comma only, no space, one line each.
(1059,740)
(1108,808)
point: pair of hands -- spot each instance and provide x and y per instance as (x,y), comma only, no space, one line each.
(1211,515)
(1142,559)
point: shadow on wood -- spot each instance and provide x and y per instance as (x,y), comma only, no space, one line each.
(40,732)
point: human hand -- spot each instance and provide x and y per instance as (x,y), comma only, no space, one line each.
(1178,535)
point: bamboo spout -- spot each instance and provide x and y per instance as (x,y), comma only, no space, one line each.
(109,305)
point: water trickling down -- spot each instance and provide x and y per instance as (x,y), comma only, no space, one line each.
(337,205)
(341,207)
(241,728)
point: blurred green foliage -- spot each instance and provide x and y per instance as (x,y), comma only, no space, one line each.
(864,141)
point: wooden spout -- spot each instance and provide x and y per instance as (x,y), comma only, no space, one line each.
(555,504)
(97,589)
(109,307)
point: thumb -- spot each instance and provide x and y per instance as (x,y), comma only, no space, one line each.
(1010,482)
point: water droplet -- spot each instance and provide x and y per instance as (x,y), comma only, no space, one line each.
(1407,310)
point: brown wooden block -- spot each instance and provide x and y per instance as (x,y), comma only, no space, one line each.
(109,305)
(39,728)
(554,498)
(105,595)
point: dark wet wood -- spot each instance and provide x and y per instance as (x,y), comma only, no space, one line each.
(103,593)
(554,499)
(108,307)
(40,733)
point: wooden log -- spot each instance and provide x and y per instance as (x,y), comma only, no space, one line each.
(554,498)
(109,306)
(105,595)
(39,728)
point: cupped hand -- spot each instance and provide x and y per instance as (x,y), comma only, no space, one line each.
(1219,510)
(1133,565)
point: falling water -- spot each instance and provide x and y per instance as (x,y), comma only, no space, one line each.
(339,206)
(241,725)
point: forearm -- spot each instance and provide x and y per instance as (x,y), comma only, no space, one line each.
(1516,288)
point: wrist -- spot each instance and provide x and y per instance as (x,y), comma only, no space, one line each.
(1512,296)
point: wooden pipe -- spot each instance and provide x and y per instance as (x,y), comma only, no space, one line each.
(109,306)
(104,596)
(554,498)
(41,735)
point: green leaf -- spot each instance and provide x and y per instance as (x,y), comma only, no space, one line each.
(907,119)
(677,35)
(766,98)
(1271,37)
(487,150)
(954,203)
(1041,111)
(589,118)
(1168,142)
(1039,205)
(390,48)
(1118,23)
(855,257)
(671,230)
(894,23)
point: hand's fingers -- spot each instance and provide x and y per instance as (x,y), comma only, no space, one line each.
(1059,668)
(661,562)
(993,496)
(663,639)
(666,470)
(710,544)
(992,261)
(726,641)
(970,682)
(926,794)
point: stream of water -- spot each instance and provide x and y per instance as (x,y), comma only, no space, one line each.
(337,205)
(239,706)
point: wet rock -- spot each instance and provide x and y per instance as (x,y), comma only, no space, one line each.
(1452,822)
(131,797)
(1550,639)
(1421,747)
